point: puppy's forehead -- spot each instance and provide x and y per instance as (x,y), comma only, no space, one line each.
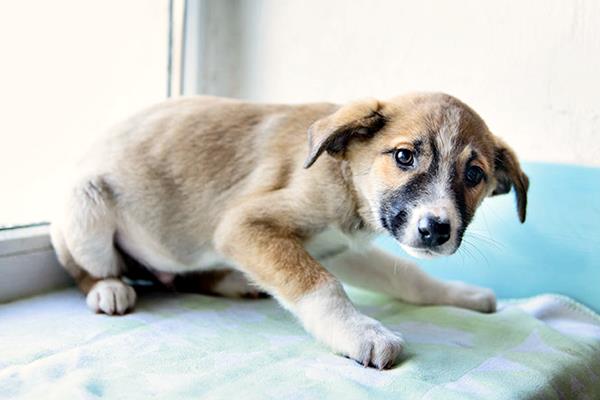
(444,122)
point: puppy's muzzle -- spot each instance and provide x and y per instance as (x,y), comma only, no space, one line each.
(433,231)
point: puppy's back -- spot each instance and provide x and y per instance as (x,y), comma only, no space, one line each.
(176,166)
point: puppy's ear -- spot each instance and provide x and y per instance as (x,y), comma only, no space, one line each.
(360,120)
(509,174)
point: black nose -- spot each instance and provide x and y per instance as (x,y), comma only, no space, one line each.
(433,231)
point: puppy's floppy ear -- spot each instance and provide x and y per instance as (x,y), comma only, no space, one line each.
(358,120)
(509,174)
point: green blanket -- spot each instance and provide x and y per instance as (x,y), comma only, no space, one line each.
(187,346)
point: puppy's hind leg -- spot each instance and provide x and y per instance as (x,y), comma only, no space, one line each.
(219,282)
(83,240)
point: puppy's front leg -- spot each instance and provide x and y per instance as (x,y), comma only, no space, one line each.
(273,255)
(377,270)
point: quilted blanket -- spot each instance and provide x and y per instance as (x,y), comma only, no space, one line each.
(191,346)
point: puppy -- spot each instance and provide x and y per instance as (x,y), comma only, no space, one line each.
(227,188)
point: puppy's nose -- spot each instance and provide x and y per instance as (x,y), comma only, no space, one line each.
(433,231)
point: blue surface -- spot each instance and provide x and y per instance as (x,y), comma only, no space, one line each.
(554,251)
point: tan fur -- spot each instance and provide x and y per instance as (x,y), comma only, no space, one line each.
(196,182)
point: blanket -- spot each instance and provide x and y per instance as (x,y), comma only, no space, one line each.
(192,346)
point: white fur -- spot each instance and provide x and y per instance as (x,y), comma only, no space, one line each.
(138,243)
(91,220)
(330,317)
(111,296)
(332,241)
(446,140)
(141,246)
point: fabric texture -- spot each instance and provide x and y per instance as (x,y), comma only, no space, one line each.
(191,346)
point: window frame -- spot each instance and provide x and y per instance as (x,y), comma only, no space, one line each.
(28,263)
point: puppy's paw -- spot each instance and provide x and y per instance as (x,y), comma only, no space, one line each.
(371,344)
(111,296)
(471,297)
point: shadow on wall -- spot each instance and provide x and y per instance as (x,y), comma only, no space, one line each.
(553,252)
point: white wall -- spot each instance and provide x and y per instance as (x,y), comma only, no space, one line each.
(530,68)
(68,70)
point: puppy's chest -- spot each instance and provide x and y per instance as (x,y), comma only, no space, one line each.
(332,241)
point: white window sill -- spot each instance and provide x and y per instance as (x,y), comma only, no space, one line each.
(28,265)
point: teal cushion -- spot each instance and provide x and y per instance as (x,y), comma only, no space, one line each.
(553,251)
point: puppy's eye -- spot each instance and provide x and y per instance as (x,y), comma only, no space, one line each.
(404,157)
(473,175)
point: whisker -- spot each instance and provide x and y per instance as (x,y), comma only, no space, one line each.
(461,251)
(486,240)
(467,252)
(476,249)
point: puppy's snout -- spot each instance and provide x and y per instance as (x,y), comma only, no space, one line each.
(434,231)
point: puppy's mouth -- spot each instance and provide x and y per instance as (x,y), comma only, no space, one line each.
(421,252)
(427,252)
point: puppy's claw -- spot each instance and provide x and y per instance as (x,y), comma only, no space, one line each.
(377,346)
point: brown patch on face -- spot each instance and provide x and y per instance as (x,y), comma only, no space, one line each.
(469,196)
(386,168)
(375,169)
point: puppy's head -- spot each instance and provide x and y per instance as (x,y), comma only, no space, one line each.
(422,164)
